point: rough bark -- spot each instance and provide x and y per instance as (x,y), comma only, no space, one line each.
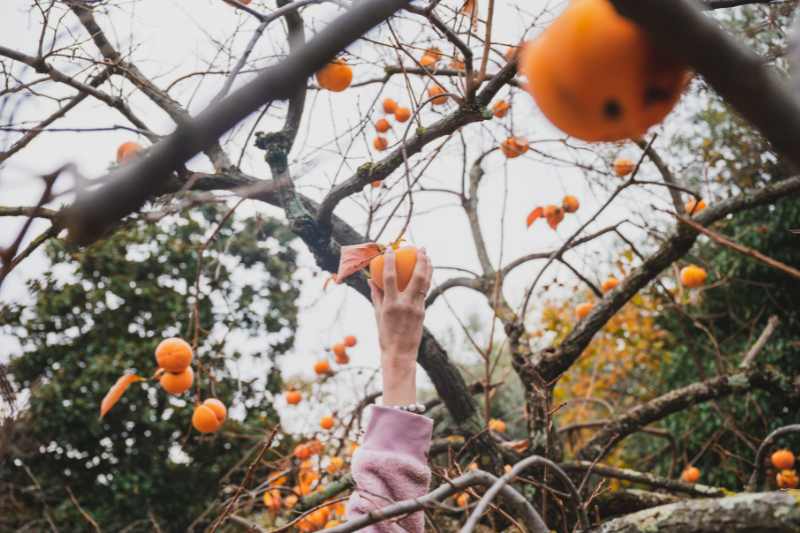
(767,512)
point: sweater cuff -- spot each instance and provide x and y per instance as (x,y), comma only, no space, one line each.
(398,431)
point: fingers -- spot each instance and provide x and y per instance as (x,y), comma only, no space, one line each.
(389,275)
(421,279)
(376,294)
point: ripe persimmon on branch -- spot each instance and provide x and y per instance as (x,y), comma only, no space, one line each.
(441,123)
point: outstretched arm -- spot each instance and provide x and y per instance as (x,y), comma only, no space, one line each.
(391,464)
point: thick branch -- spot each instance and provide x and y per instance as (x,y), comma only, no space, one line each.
(679,399)
(643,478)
(768,512)
(127,188)
(549,364)
(163,100)
(740,76)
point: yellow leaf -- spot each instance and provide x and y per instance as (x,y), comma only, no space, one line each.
(116,391)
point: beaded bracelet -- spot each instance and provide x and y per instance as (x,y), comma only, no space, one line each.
(416,408)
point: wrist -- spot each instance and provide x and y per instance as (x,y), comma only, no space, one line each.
(399,381)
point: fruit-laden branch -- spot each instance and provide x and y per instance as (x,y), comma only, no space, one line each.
(379,171)
(484,284)
(755,254)
(126,188)
(517,505)
(642,478)
(739,75)
(448,381)
(758,474)
(677,400)
(766,512)
(549,364)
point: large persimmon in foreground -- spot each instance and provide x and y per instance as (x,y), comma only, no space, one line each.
(596,76)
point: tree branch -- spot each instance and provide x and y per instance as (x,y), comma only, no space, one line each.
(517,503)
(740,76)
(127,188)
(679,399)
(773,512)
(742,249)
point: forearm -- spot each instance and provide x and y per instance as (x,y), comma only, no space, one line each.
(399,380)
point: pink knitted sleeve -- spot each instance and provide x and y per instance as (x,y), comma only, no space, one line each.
(391,465)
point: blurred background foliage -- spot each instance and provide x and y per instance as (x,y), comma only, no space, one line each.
(102,310)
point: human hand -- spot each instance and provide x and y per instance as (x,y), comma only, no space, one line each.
(400,315)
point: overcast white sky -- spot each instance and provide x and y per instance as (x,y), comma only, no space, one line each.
(171,38)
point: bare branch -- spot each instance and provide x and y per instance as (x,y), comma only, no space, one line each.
(753,352)
(517,469)
(518,504)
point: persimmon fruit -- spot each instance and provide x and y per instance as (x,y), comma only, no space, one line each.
(335,464)
(336,76)
(690,474)
(339,349)
(428,61)
(177,383)
(382,125)
(437,94)
(405,261)
(322,367)
(692,207)
(514,147)
(787,479)
(205,420)
(402,114)
(350,341)
(380,143)
(570,204)
(302,451)
(174,355)
(497,425)
(693,276)
(127,150)
(623,166)
(293,397)
(218,407)
(326,422)
(462,500)
(389,106)
(783,459)
(596,75)
(500,109)
(583,309)
(609,284)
